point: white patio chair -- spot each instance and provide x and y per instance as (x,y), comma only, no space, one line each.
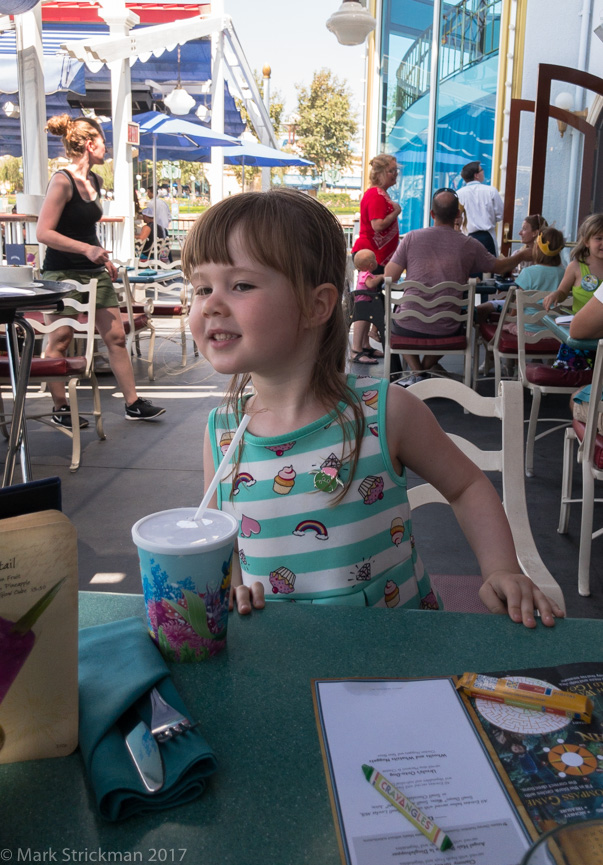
(72,370)
(462,300)
(590,456)
(508,460)
(540,378)
(136,321)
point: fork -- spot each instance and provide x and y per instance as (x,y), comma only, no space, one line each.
(166,722)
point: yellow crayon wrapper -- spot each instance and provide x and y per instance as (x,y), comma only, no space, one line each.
(402,804)
(527,695)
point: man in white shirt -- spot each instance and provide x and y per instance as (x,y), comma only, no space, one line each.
(163,215)
(483,206)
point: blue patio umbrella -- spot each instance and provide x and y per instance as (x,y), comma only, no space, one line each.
(252,154)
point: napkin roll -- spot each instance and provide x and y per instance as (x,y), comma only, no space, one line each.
(118,666)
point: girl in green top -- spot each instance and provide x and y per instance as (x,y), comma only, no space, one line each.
(268,271)
(582,277)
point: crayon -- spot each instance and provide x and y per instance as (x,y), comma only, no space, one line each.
(405,806)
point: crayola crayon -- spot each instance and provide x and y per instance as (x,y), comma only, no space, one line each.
(405,806)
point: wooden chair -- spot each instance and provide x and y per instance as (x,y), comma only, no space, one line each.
(462,300)
(71,370)
(508,460)
(540,378)
(136,319)
(590,456)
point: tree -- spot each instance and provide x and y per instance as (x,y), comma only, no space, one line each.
(11,172)
(326,124)
(275,112)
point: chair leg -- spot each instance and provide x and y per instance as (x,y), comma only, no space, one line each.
(497,371)
(566,480)
(536,397)
(183,340)
(76,447)
(586,530)
(151,352)
(3,424)
(96,403)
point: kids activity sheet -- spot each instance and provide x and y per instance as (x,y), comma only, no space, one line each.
(492,777)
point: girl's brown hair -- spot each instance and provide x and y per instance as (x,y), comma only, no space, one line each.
(536,222)
(555,240)
(293,234)
(379,165)
(75,132)
(592,225)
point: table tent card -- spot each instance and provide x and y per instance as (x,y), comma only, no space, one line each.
(38,637)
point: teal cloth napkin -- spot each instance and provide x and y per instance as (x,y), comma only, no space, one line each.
(118,665)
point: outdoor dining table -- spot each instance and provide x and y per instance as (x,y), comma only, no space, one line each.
(268,803)
(562,332)
(14,302)
(148,276)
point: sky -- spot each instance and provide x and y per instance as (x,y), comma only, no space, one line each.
(293,40)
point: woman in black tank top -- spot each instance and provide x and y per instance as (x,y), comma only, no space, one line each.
(67,225)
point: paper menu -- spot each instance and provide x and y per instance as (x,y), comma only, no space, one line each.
(38,666)
(418,734)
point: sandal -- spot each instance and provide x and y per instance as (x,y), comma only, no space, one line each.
(373,352)
(363,357)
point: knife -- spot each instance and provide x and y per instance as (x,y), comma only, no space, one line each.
(144,751)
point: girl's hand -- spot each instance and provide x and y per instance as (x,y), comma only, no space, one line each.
(247,598)
(518,597)
(551,299)
(97,255)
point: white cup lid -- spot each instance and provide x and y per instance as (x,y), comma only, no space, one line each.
(176,532)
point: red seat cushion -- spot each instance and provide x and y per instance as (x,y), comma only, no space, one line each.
(141,320)
(48,367)
(579,429)
(167,309)
(508,341)
(547,376)
(449,342)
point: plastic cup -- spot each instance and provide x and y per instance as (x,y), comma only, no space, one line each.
(579,843)
(185,568)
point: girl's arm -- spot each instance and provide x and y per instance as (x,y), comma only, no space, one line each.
(372,283)
(417,441)
(244,597)
(588,322)
(57,196)
(570,277)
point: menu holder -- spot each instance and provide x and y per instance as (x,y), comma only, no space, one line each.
(38,637)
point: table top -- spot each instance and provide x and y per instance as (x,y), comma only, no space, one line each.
(268,802)
(562,333)
(33,295)
(149,275)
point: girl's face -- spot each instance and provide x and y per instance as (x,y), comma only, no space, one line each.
(245,317)
(594,244)
(527,234)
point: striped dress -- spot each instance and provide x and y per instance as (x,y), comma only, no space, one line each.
(295,542)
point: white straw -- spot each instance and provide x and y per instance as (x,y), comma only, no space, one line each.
(221,468)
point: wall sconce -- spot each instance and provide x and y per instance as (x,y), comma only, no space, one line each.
(565,101)
(179,101)
(352,23)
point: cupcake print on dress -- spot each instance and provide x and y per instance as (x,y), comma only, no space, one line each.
(371,489)
(392,594)
(397,531)
(284,481)
(279,450)
(371,398)
(282,581)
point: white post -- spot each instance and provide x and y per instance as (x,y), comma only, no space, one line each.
(32,103)
(432,128)
(266,171)
(120,21)
(216,167)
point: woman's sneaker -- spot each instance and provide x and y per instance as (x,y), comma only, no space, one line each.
(143,409)
(62,417)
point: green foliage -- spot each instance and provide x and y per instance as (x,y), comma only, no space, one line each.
(106,172)
(326,124)
(275,112)
(336,200)
(11,172)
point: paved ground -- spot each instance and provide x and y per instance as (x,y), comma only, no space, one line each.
(143,467)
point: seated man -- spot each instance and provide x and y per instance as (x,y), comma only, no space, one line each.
(440,254)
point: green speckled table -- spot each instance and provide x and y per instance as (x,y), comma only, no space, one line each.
(268,803)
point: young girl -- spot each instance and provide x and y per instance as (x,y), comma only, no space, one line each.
(583,276)
(319,487)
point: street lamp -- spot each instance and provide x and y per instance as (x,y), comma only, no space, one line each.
(352,23)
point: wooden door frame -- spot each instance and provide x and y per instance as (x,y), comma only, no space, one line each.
(542,110)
